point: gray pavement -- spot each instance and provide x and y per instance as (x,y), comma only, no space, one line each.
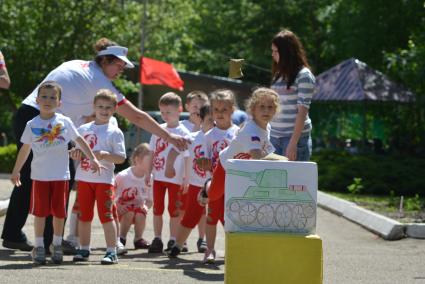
(351,254)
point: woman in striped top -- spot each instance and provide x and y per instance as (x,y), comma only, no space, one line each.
(293,80)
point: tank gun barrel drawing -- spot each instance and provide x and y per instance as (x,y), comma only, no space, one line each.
(265,178)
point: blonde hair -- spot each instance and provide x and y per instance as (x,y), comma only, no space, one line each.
(107,95)
(170,98)
(200,95)
(260,93)
(223,95)
(141,150)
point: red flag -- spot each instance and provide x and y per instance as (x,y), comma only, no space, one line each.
(156,72)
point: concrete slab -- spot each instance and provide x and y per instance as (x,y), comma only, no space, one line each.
(3,206)
(415,230)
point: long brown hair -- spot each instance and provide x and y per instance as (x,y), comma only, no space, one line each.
(292,57)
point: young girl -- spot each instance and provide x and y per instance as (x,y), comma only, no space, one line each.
(223,104)
(251,142)
(197,177)
(134,196)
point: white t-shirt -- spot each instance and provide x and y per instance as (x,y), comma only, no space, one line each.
(80,80)
(217,139)
(49,143)
(189,125)
(160,149)
(104,137)
(197,149)
(131,190)
(250,137)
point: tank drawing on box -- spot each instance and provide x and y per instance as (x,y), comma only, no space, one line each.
(270,204)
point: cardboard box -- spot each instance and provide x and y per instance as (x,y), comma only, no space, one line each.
(273,258)
(271,196)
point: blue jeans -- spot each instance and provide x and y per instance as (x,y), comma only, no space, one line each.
(304,146)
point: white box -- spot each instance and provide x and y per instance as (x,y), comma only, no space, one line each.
(271,196)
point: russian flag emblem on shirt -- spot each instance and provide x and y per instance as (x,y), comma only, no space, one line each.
(255,138)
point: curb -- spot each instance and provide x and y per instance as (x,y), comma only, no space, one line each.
(385,227)
(4,204)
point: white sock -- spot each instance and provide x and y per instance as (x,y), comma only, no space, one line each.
(39,242)
(73,225)
(111,249)
(85,248)
(57,240)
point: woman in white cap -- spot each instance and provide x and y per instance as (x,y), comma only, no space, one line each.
(80,80)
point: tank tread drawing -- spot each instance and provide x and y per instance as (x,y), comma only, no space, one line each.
(267,215)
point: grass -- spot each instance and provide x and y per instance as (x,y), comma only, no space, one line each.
(412,209)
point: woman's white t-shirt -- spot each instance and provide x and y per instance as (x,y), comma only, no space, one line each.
(49,143)
(80,80)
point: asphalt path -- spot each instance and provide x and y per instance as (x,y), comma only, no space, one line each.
(351,254)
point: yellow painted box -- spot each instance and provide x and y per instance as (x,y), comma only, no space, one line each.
(273,258)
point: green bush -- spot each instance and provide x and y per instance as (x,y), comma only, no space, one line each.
(379,174)
(7,158)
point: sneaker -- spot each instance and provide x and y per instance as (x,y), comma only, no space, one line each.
(141,244)
(57,256)
(39,255)
(69,248)
(185,248)
(174,252)
(109,258)
(24,245)
(209,257)
(156,246)
(202,245)
(82,255)
(123,241)
(170,245)
(121,250)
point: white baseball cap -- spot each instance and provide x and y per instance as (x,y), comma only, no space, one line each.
(117,51)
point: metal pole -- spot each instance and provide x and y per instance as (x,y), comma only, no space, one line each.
(142,51)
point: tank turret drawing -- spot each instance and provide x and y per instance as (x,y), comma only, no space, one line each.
(272,205)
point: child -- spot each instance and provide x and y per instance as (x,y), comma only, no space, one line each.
(170,106)
(47,135)
(251,142)
(107,142)
(197,178)
(133,197)
(194,101)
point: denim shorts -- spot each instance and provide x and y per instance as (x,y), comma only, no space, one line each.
(304,146)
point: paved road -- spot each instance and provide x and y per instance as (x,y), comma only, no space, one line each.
(351,255)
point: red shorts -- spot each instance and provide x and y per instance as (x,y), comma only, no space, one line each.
(102,194)
(216,211)
(159,188)
(49,198)
(218,179)
(194,211)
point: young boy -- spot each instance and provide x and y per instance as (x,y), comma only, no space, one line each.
(107,142)
(47,135)
(170,106)
(194,101)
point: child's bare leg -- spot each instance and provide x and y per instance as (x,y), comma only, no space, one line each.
(139,226)
(84,229)
(182,235)
(174,224)
(211,232)
(126,221)
(202,226)
(157,225)
(110,234)
(39,223)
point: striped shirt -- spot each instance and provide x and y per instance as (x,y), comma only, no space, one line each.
(300,93)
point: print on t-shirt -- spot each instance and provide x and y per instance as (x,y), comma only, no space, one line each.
(49,136)
(91,139)
(160,146)
(198,154)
